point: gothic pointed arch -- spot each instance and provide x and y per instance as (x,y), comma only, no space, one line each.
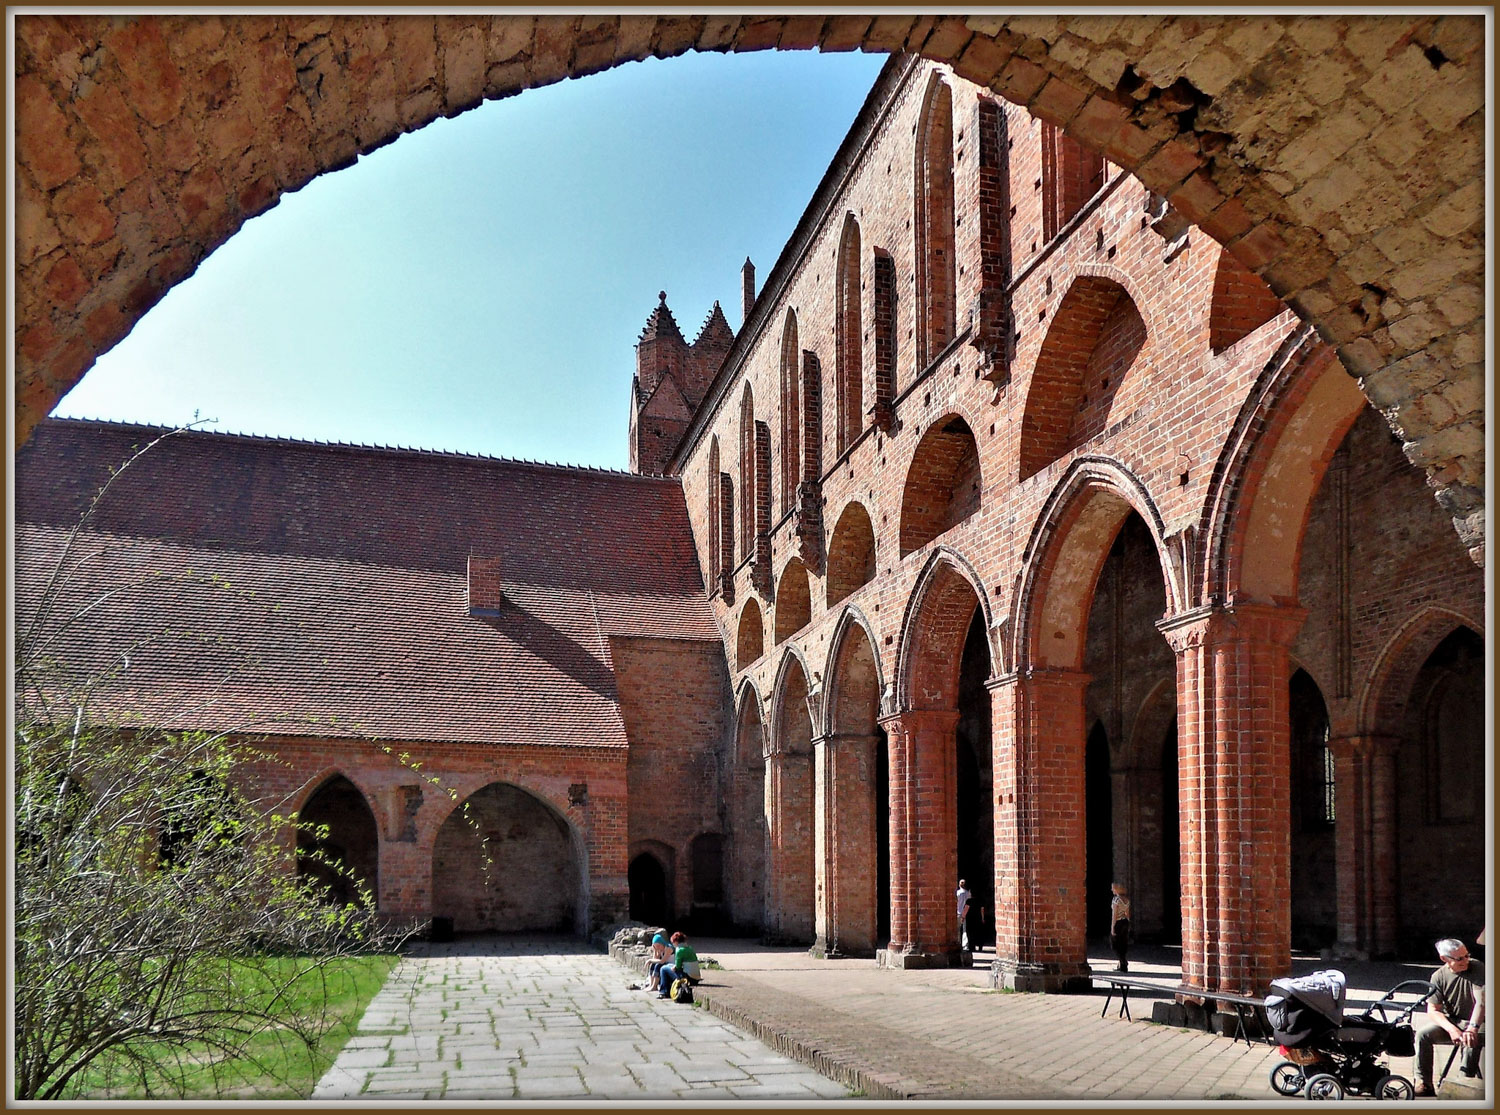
(944,599)
(855,687)
(745,857)
(338,840)
(943,483)
(848,340)
(750,637)
(714,503)
(791,411)
(851,552)
(793,608)
(1240,304)
(1068,545)
(747,471)
(933,223)
(1384,696)
(1269,471)
(1078,386)
(791,872)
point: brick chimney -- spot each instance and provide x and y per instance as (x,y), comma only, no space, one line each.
(485,594)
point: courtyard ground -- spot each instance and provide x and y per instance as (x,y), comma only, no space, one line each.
(537,1018)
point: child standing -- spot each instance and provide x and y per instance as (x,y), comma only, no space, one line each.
(1119,925)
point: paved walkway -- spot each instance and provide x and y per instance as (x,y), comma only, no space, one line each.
(504,1018)
(508,1018)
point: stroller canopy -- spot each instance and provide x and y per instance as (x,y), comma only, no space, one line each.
(1306,1008)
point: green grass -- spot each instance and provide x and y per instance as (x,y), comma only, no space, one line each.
(275,1064)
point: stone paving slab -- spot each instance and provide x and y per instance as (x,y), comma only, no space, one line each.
(548,1019)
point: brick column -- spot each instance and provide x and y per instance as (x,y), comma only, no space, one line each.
(1040,930)
(1234,744)
(1365,837)
(844,840)
(924,839)
(788,844)
(405,879)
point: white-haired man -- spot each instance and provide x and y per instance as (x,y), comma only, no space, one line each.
(1455,1011)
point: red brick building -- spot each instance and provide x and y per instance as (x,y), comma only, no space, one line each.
(1019,534)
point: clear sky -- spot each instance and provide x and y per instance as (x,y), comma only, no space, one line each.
(479,285)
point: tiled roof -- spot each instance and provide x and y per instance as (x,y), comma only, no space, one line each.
(323,589)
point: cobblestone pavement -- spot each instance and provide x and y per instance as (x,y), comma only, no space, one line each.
(502,1018)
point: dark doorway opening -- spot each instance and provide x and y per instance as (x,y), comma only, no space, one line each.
(1171,841)
(648,891)
(974,797)
(882,838)
(1099,847)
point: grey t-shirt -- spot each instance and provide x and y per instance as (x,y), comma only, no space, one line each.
(1456,991)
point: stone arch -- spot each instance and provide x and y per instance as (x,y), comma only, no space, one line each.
(1273,462)
(944,485)
(848,340)
(790,868)
(346,859)
(1093,343)
(750,639)
(746,812)
(793,609)
(288,78)
(1383,697)
(933,223)
(508,861)
(851,552)
(1240,304)
(933,628)
(1067,548)
(791,411)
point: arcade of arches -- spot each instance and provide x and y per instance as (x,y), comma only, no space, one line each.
(1339,157)
(1112,573)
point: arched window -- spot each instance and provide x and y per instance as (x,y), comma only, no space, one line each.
(747,471)
(1071,174)
(714,546)
(848,341)
(884,271)
(943,484)
(936,286)
(791,412)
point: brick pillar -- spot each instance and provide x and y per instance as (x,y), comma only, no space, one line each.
(1234,745)
(844,781)
(1040,939)
(405,879)
(924,839)
(1365,836)
(789,849)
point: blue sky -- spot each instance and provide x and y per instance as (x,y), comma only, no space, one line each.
(479,285)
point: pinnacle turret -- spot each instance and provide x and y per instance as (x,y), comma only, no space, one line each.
(661,324)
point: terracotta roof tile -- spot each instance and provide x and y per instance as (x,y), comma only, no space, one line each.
(293,587)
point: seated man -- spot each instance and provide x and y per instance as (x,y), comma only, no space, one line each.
(1455,1012)
(684,966)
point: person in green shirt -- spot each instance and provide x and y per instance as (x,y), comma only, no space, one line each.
(684,965)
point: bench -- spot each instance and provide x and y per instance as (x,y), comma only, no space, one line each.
(1245,1007)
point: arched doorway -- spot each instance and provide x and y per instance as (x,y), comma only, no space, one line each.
(650,891)
(790,870)
(1314,816)
(853,832)
(346,858)
(505,861)
(1440,802)
(974,797)
(747,817)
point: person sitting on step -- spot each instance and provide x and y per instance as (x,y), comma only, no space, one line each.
(684,966)
(1455,1012)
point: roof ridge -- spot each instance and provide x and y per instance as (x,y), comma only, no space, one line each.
(349,446)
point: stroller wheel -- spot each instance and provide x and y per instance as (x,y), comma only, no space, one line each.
(1287,1079)
(1324,1087)
(1394,1088)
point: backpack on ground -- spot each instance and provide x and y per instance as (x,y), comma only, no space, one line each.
(682,991)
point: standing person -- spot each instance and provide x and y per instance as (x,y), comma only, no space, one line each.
(962,898)
(1455,1012)
(1119,925)
(684,966)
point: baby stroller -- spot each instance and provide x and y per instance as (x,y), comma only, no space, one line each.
(1329,1055)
